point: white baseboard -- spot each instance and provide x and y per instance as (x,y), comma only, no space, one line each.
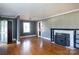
(14,39)
(53,42)
(45,38)
(28,36)
(18,42)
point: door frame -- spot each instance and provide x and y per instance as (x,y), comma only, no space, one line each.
(39,28)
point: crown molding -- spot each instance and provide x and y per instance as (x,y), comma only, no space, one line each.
(60,14)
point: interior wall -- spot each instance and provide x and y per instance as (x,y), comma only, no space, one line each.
(70,20)
(33,27)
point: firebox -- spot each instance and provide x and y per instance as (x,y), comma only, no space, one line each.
(62,39)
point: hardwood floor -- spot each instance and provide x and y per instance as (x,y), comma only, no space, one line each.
(36,46)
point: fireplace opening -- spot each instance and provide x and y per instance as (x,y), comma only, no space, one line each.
(62,39)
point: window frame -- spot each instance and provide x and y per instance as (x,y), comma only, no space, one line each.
(24,31)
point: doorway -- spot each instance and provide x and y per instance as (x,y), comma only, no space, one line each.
(10,32)
(39,25)
(6,31)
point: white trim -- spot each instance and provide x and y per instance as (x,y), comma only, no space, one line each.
(39,36)
(18,31)
(45,38)
(28,36)
(38,29)
(60,14)
(18,42)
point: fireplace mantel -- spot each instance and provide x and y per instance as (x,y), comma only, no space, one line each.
(74,35)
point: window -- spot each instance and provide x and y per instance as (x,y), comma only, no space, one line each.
(26,27)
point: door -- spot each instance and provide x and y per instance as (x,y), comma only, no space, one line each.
(3,31)
(10,32)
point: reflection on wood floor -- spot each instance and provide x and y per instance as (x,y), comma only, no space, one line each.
(36,46)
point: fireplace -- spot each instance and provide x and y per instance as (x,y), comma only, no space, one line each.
(62,39)
(66,37)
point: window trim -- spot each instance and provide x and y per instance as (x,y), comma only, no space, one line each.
(28,26)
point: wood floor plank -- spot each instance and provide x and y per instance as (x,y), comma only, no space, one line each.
(36,46)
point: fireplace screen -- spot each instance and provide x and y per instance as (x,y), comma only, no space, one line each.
(62,39)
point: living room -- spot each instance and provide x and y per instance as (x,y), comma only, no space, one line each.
(49,28)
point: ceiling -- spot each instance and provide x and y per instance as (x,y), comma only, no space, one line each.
(35,11)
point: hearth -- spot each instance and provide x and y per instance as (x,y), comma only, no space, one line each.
(62,39)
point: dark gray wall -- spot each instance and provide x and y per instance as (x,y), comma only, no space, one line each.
(33,26)
(15,28)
